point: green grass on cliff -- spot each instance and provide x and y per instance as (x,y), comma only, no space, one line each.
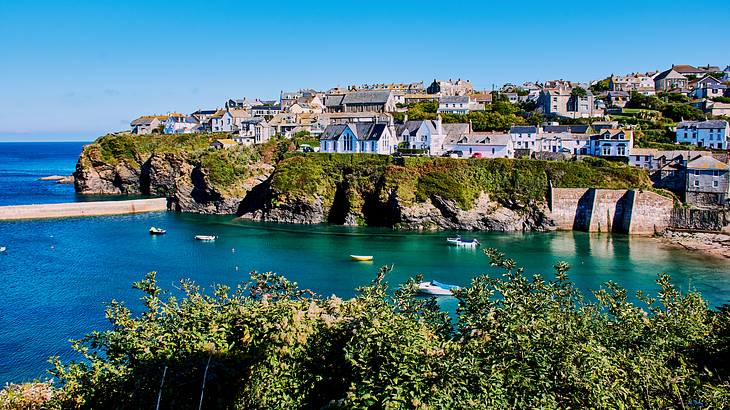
(129,147)
(417,179)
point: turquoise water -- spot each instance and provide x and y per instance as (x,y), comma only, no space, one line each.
(58,274)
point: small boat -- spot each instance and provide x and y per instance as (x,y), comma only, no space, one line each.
(468,244)
(436,288)
(157,231)
(3,249)
(206,238)
(361,258)
(453,241)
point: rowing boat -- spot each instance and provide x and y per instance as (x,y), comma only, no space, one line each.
(361,258)
(206,238)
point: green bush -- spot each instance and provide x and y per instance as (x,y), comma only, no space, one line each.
(517,341)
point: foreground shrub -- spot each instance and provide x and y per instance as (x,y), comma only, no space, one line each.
(518,341)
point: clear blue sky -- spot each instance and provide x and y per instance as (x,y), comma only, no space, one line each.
(75,69)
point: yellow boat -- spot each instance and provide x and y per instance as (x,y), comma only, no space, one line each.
(361,258)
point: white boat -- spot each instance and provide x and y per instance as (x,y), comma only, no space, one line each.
(436,288)
(3,249)
(453,241)
(206,238)
(157,231)
(468,244)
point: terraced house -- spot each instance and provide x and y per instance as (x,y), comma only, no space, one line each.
(710,134)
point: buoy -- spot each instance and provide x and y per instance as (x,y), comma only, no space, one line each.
(233,250)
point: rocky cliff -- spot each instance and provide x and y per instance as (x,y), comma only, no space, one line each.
(266,183)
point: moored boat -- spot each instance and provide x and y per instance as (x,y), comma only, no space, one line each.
(206,238)
(436,288)
(361,258)
(453,241)
(3,249)
(468,244)
(157,231)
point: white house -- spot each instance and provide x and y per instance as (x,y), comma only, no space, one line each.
(458,104)
(181,124)
(372,138)
(612,142)
(709,134)
(427,134)
(487,144)
(569,139)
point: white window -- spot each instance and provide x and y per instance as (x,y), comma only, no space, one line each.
(715,184)
(697,182)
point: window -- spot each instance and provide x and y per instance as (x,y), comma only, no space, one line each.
(715,184)
(697,182)
(606,150)
(715,173)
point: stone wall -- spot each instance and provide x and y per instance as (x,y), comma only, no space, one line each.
(700,220)
(75,209)
(607,210)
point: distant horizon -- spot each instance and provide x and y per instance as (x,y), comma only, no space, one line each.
(90,72)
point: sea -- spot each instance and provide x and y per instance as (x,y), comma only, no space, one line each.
(59,274)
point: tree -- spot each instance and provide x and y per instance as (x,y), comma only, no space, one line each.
(679,112)
(601,85)
(579,92)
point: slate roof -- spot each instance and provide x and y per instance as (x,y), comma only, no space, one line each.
(452,130)
(363,131)
(147,119)
(576,129)
(708,162)
(671,73)
(412,126)
(523,129)
(702,124)
(204,112)
(479,138)
(454,99)
(366,97)
(333,100)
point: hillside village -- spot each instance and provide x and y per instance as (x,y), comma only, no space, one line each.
(673,123)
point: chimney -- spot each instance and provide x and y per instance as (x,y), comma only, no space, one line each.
(439,125)
(405,118)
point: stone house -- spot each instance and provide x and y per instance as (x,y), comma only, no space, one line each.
(670,80)
(617,99)
(374,138)
(562,102)
(146,124)
(450,87)
(710,134)
(708,182)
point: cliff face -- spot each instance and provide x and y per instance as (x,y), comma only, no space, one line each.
(419,194)
(180,175)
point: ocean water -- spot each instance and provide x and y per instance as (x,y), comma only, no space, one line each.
(21,164)
(58,274)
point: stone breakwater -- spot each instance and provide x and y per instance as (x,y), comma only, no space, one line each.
(78,209)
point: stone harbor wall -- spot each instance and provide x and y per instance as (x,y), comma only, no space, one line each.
(609,210)
(706,220)
(76,209)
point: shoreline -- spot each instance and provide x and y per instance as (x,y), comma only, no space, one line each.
(81,209)
(716,245)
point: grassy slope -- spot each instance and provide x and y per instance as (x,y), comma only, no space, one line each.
(461,180)
(226,169)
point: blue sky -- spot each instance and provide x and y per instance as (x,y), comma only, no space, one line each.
(73,70)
